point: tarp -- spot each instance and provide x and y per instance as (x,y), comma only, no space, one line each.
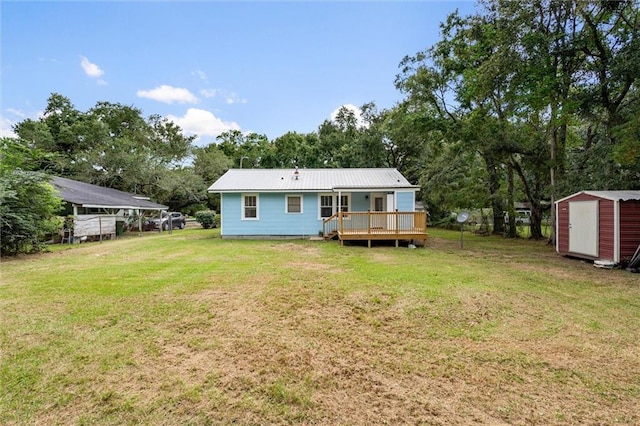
(634,263)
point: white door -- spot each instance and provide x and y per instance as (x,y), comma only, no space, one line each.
(583,227)
(391,220)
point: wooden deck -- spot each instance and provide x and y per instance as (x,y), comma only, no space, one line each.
(369,226)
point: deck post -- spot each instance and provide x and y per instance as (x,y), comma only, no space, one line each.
(397,224)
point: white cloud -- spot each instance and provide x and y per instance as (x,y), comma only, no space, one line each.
(232,98)
(17,112)
(202,123)
(229,97)
(209,93)
(357,112)
(6,130)
(91,69)
(201,74)
(169,94)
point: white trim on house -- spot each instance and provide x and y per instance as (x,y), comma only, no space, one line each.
(607,195)
(325,194)
(286,203)
(243,216)
(379,196)
(336,203)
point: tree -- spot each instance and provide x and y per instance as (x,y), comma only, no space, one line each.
(545,89)
(181,188)
(296,149)
(110,145)
(209,163)
(247,151)
(445,86)
(28,204)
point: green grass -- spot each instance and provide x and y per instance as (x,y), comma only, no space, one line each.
(192,329)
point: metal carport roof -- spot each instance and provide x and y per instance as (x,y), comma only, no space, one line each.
(94,196)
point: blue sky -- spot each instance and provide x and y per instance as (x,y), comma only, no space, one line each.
(266,67)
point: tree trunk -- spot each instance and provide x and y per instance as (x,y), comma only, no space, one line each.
(496,200)
(535,222)
(512,232)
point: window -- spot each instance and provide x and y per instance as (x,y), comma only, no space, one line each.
(326,205)
(329,204)
(250,207)
(294,204)
(344,203)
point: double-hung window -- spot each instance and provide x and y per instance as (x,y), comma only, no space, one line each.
(344,203)
(250,207)
(326,206)
(294,203)
(332,203)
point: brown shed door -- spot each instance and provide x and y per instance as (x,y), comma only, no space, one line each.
(583,227)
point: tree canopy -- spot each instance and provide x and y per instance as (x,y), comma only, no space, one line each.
(525,100)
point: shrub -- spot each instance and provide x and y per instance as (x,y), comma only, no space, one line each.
(206,218)
(28,207)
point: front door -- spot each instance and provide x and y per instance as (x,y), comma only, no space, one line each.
(378,204)
(583,227)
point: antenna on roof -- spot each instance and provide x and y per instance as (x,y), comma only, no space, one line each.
(296,173)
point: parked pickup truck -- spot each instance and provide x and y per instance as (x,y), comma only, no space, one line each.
(170,220)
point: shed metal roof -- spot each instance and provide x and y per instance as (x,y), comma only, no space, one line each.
(87,195)
(608,195)
(308,180)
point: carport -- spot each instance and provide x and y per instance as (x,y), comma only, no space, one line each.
(96,210)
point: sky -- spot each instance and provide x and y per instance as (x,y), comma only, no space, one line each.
(212,66)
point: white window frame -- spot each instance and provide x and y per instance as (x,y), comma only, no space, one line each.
(333,205)
(339,202)
(244,204)
(335,198)
(286,203)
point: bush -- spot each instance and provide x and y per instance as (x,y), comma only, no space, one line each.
(28,207)
(206,218)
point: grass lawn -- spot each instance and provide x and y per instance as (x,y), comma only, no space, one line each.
(192,329)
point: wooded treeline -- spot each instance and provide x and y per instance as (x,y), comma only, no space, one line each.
(523,101)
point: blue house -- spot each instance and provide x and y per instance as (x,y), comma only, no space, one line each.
(352,204)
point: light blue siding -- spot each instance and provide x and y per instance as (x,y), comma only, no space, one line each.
(405,201)
(360,202)
(272,216)
(274,220)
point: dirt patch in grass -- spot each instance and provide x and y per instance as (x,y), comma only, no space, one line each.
(303,249)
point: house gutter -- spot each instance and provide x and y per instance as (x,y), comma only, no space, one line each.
(104,206)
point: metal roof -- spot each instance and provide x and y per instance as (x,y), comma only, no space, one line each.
(87,195)
(301,180)
(608,195)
